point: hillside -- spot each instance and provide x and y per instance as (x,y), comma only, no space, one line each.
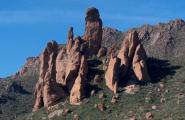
(163,96)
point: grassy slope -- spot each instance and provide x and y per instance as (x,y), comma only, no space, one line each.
(17,103)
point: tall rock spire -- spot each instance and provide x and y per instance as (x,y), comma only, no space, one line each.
(70,39)
(47,91)
(93,30)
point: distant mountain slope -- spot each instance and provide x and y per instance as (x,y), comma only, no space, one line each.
(164,40)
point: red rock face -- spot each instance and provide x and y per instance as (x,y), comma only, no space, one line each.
(70,39)
(112,74)
(93,30)
(61,62)
(139,64)
(78,91)
(67,67)
(47,91)
(73,65)
(132,55)
(127,51)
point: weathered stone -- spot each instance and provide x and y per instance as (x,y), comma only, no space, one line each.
(131,89)
(149,115)
(47,91)
(93,30)
(73,64)
(77,92)
(92,92)
(139,64)
(112,74)
(100,106)
(154,107)
(55,113)
(127,51)
(101,95)
(61,62)
(76,117)
(114,99)
(69,39)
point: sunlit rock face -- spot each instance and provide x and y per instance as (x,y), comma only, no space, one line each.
(78,91)
(48,91)
(112,74)
(93,30)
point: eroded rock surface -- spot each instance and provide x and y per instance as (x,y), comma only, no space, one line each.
(127,51)
(93,30)
(47,91)
(112,74)
(78,91)
(139,64)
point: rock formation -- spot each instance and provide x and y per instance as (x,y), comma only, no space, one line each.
(73,64)
(139,64)
(112,74)
(132,56)
(47,91)
(93,30)
(61,61)
(127,51)
(64,70)
(78,92)
(70,39)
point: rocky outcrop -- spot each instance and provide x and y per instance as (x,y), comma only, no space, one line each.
(93,30)
(112,74)
(78,91)
(73,64)
(139,64)
(64,69)
(61,62)
(132,56)
(70,39)
(47,91)
(127,51)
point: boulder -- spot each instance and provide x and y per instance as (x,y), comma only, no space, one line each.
(112,74)
(93,30)
(139,64)
(77,91)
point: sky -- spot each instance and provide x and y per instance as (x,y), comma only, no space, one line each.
(27,25)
